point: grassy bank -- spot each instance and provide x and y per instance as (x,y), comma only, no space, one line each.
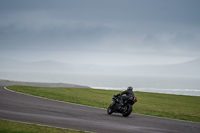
(16,127)
(163,105)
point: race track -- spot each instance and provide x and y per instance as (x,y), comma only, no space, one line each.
(25,108)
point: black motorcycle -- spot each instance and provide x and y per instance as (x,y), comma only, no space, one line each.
(124,109)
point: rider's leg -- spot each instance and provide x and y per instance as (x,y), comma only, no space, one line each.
(121,101)
(124,98)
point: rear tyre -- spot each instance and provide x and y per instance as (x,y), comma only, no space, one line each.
(109,110)
(128,111)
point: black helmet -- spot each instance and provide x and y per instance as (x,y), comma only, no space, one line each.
(130,88)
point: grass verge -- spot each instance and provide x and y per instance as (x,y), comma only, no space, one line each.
(155,104)
(17,127)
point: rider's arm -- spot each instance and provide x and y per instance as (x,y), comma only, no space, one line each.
(122,93)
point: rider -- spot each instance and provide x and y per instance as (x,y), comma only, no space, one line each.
(128,92)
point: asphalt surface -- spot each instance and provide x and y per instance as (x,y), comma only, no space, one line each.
(25,108)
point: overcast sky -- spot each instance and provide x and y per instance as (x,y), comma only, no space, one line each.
(102,32)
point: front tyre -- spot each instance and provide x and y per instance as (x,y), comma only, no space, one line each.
(109,110)
(128,110)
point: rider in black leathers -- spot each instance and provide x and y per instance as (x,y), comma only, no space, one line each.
(128,92)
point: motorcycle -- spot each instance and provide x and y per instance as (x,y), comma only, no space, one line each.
(124,109)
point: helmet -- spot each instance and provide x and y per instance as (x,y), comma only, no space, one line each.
(130,88)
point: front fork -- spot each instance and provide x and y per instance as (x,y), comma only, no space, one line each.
(113,102)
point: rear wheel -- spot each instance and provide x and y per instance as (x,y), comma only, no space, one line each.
(128,110)
(109,110)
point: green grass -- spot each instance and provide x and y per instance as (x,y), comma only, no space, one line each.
(17,127)
(155,104)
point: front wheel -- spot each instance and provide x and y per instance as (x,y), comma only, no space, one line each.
(128,110)
(109,110)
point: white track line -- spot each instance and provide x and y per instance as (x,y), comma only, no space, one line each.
(52,99)
(96,107)
(46,125)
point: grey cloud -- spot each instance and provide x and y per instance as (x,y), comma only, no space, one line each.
(186,41)
(132,27)
(160,10)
